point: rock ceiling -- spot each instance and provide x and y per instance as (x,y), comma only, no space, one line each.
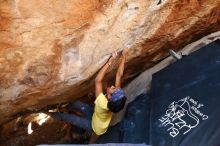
(51,49)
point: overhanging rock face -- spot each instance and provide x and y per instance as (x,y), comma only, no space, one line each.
(51,50)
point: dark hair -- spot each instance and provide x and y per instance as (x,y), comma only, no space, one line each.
(116,106)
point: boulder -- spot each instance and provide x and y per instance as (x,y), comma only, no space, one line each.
(50,51)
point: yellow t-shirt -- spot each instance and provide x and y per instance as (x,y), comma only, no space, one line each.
(101,116)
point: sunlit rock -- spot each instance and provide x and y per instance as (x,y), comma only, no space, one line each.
(51,50)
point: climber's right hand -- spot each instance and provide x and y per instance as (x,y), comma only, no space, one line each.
(113,56)
(125,52)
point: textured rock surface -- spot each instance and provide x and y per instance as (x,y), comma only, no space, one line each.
(50,50)
(13,133)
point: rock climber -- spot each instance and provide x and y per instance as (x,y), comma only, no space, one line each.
(97,120)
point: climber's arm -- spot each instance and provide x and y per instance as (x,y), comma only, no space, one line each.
(120,71)
(101,74)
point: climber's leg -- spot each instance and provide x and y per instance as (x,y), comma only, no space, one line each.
(86,109)
(77,121)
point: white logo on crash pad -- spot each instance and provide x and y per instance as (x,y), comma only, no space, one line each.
(182,116)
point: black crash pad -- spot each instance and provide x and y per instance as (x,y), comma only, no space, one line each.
(186,101)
